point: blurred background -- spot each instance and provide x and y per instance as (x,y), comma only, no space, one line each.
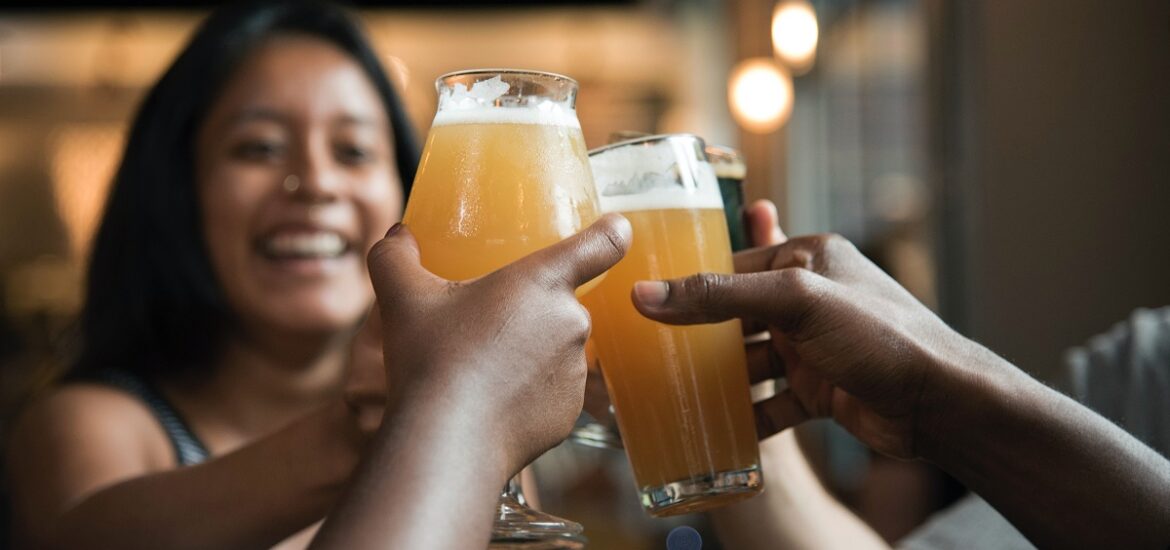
(1009,162)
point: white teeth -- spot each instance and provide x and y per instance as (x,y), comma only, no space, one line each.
(321,244)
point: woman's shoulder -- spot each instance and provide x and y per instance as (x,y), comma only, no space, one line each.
(93,418)
(72,441)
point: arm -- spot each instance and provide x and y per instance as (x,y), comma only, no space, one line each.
(856,347)
(1063,475)
(794,512)
(89,469)
(430,481)
(464,414)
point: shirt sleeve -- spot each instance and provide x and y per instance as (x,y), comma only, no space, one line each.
(1124,375)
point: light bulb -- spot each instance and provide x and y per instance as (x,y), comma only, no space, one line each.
(760,94)
(795,33)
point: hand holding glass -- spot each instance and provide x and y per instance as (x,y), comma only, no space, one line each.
(504,173)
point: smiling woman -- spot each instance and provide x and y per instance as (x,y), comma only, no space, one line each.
(295,157)
(225,284)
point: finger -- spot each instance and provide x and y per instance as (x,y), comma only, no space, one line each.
(366,373)
(764,223)
(396,270)
(779,413)
(805,252)
(582,257)
(751,327)
(782,298)
(764,363)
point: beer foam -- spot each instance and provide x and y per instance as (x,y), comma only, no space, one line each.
(556,115)
(647,177)
(735,170)
(478,105)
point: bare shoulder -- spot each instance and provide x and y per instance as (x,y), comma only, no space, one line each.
(76,440)
(77,417)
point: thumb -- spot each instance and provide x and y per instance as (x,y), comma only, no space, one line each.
(764,221)
(396,270)
(781,298)
(578,259)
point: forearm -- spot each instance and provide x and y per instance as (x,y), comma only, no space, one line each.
(795,511)
(429,480)
(251,498)
(1062,474)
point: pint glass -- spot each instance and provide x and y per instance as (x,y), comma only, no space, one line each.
(681,393)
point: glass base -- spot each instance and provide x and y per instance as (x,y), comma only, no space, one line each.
(702,492)
(518,526)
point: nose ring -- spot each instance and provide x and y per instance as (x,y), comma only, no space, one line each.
(291,184)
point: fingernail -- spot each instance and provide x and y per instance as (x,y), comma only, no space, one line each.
(393,229)
(651,293)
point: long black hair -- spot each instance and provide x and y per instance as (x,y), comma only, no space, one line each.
(153,305)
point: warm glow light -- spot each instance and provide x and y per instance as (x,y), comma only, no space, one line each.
(83,160)
(794,34)
(399,72)
(760,94)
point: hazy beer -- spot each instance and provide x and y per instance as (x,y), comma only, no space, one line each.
(497,182)
(681,393)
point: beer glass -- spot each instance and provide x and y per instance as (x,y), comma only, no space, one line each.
(729,172)
(681,393)
(595,429)
(504,172)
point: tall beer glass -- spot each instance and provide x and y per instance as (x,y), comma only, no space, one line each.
(681,393)
(504,172)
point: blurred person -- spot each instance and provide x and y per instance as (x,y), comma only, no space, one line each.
(206,406)
(854,346)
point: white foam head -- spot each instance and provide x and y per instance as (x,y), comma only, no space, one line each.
(478,105)
(654,174)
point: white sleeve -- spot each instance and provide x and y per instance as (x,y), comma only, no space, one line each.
(1124,375)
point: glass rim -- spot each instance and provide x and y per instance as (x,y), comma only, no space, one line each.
(654,138)
(724,153)
(497,71)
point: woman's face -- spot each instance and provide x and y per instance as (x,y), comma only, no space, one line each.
(296,180)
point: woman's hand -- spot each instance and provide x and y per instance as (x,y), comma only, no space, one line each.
(365,384)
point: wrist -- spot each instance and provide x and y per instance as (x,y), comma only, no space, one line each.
(961,399)
(451,424)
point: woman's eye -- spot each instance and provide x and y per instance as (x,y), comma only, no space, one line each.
(258,150)
(354,154)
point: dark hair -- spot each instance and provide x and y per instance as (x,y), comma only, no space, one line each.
(152,303)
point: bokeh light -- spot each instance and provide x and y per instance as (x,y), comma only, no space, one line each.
(760,94)
(795,33)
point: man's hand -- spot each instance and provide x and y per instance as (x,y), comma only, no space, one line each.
(852,343)
(506,348)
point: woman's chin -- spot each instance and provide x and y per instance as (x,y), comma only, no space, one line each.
(316,322)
